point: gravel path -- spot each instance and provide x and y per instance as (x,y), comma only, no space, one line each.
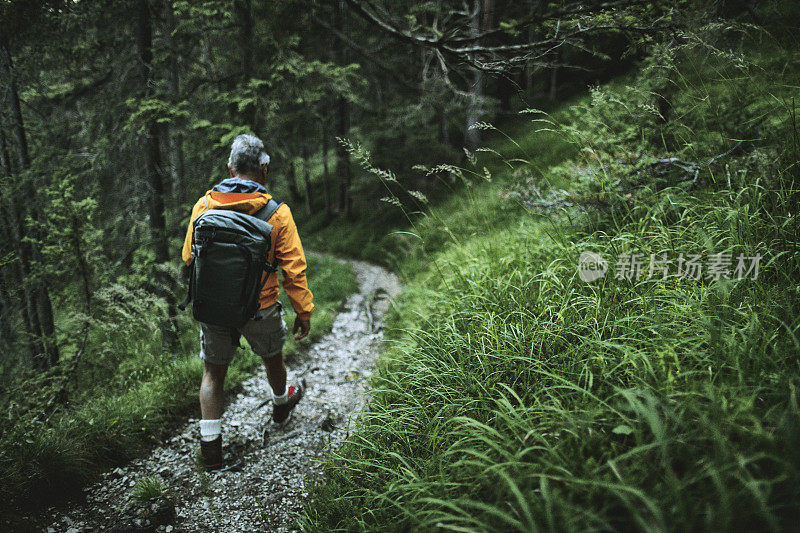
(267,493)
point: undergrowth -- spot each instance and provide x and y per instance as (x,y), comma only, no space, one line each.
(516,396)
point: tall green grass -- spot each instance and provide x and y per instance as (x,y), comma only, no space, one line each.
(515,396)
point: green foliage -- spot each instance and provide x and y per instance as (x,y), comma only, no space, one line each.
(147,488)
(144,111)
(517,397)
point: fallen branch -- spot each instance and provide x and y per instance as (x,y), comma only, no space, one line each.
(691,169)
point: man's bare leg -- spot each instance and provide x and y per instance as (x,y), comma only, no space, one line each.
(212,391)
(276,373)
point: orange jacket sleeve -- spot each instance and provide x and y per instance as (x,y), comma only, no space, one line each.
(292,260)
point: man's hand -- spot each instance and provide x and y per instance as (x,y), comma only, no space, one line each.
(303,326)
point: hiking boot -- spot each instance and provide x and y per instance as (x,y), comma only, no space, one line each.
(280,413)
(211,453)
(214,458)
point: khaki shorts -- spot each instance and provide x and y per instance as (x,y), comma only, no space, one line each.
(265,334)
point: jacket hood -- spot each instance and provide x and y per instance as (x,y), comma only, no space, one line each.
(238,195)
(238,185)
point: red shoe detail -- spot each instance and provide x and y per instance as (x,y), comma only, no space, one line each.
(280,413)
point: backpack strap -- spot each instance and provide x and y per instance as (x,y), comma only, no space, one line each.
(185,302)
(265,213)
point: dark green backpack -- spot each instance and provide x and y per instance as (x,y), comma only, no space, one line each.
(229,257)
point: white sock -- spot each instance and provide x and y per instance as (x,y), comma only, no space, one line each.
(282,399)
(210,429)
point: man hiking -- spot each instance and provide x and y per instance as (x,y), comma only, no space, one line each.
(226,228)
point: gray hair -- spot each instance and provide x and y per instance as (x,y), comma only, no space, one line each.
(247,155)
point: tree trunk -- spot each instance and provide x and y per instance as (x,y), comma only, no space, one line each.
(84,270)
(553,92)
(29,313)
(12,226)
(479,20)
(152,148)
(7,313)
(41,310)
(5,159)
(444,131)
(30,316)
(664,95)
(244,22)
(44,306)
(342,126)
(307,180)
(505,90)
(177,164)
(154,172)
(8,296)
(23,156)
(343,173)
(291,181)
(243,18)
(207,53)
(326,175)
(529,70)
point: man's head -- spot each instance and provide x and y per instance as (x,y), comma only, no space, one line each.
(248,159)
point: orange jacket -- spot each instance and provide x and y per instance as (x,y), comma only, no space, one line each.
(286,247)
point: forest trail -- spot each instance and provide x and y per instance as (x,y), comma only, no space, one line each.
(268,491)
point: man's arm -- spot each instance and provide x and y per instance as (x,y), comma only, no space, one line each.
(291,259)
